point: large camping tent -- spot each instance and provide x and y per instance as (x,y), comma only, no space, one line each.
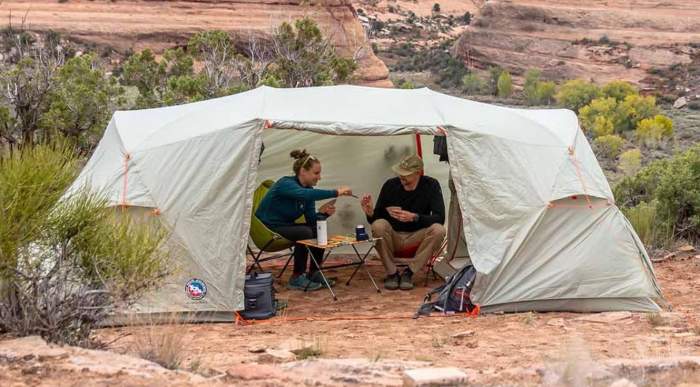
(539,216)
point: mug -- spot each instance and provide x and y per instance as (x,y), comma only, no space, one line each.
(360,233)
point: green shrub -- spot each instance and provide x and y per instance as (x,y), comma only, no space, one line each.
(619,90)
(405,84)
(467,18)
(473,84)
(446,70)
(601,116)
(630,161)
(304,57)
(637,108)
(651,131)
(532,79)
(602,126)
(644,219)
(82,101)
(678,194)
(674,185)
(633,190)
(505,85)
(576,94)
(624,115)
(609,145)
(544,92)
(66,265)
(492,83)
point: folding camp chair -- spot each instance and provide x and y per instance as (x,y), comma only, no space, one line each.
(403,257)
(266,240)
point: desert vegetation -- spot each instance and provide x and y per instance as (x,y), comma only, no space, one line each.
(67,263)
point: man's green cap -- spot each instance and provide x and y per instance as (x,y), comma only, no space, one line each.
(408,165)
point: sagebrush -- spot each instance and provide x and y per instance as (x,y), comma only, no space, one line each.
(67,264)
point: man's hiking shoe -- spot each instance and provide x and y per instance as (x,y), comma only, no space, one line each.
(406,281)
(316,277)
(391,282)
(300,282)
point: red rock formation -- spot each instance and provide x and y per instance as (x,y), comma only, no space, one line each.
(599,40)
(161,24)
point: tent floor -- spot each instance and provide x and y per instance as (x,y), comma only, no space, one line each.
(378,327)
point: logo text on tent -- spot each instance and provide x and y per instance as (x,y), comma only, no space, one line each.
(196,289)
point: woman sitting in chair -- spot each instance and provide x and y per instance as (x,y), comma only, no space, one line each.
(288,199)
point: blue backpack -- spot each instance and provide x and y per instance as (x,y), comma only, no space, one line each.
(453,296)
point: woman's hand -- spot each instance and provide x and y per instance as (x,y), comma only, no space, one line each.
(328,208)
(344,190)
(366,203)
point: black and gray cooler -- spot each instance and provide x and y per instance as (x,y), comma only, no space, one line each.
(259,296)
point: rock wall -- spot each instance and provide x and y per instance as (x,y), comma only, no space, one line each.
(161,24)
(598,40)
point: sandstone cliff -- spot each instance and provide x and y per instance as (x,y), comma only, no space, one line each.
(598,40)
(160,24)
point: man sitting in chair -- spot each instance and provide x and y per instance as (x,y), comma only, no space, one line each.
(409,215)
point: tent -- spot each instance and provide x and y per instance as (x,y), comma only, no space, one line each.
(540,220)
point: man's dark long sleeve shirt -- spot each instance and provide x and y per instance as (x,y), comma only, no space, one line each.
(425,200)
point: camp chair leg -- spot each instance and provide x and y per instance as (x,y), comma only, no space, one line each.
(285,265)
(427,275)
(252,265)
(256,259)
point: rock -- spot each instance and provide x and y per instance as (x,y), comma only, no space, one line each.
(665,257)
(668,329)
(606,318)
(684,334)
(277,356)
(448,376)
(697,256)
(680,102)
(463,334)
(556,322)
(672,318)
(687,249)
(257,349)
(622,383)
(254,371)
(336,19)
(74,359)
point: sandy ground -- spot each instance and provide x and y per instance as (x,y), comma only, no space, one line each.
(364,324)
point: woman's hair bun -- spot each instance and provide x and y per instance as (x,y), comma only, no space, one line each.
(298,154)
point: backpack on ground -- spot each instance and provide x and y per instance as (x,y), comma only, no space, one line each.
(453,296)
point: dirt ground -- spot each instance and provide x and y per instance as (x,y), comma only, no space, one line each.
(365,324)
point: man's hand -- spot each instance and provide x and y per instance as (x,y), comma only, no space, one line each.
(344,190)
(328,208)
(366,204)
(403,216)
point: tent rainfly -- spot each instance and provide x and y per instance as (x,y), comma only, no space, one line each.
(540,220)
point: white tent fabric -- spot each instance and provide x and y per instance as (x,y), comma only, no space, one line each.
(514,171)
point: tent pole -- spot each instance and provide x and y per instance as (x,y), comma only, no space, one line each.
(419,147)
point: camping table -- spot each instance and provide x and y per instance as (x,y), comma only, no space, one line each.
(334,242)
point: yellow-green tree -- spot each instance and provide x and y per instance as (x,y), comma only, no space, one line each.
(651,131)
(608,145)
(619,90)
(505,85)
(576,94)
